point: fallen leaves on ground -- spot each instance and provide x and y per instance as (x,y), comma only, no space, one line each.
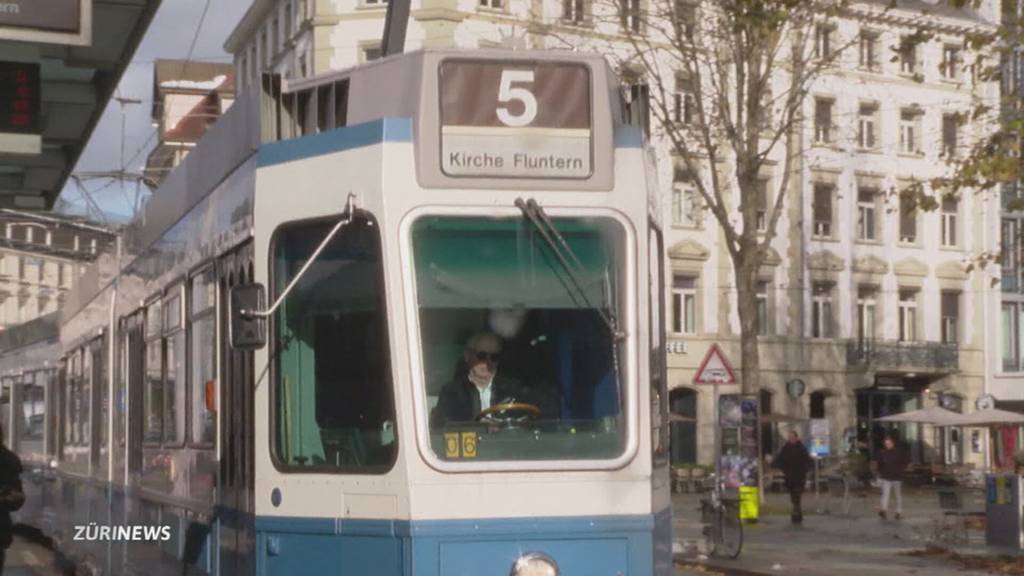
(699,568)
(1008,565)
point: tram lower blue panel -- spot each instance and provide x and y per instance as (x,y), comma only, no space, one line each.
(591,546)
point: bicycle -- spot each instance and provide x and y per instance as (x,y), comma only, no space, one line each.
(720,513)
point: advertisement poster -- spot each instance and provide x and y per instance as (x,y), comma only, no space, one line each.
(739,434)
(820,438)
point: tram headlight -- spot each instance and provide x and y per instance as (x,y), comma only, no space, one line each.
(534,564)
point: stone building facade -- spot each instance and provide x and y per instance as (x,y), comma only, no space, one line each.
(41,257)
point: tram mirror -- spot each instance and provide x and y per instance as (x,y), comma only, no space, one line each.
(247,331)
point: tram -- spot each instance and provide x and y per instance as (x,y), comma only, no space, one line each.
(276,364)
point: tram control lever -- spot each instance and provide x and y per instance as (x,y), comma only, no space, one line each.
(246,326)
(350,212)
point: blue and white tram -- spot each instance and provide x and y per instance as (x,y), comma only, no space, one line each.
(409,325)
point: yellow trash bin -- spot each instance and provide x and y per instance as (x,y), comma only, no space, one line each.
(749,504)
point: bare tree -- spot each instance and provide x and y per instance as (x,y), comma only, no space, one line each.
(729,86)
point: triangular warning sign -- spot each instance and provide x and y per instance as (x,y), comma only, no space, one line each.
(715,368)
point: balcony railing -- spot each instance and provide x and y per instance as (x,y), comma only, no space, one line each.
(911,356)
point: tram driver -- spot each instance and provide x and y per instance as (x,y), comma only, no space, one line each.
(477,388)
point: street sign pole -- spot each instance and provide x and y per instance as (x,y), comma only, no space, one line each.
(715,370)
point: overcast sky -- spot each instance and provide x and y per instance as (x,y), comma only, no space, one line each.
(169,36)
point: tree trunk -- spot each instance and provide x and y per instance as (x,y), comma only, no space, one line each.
(746,304)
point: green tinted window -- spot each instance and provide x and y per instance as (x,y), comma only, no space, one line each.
(519,360)
(333,389)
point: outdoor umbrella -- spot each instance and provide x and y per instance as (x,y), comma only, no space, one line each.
(934,415)
(992,417)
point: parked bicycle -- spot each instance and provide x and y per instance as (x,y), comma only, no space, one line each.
(720,513)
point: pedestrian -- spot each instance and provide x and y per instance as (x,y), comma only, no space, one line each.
(892,463)
(794,461)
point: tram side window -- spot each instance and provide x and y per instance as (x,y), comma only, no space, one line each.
(333,393)
(33,408)
(73,395)
(174,377)
(203,333)
(153,390)
(84,398)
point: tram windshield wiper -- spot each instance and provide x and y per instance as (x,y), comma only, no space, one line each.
(570,262)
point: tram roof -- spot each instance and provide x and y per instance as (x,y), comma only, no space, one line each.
(374,93)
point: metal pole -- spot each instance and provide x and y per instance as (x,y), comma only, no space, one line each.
(717,440)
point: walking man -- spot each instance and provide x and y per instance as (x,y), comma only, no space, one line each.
(794,461)
(892,463)
(11,496)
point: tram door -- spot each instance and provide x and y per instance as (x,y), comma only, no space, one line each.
(237,470)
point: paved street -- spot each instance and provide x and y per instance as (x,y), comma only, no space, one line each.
(26,558)
(829,544)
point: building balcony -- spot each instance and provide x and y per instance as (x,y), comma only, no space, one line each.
(892,356)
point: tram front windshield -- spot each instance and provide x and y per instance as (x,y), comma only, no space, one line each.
(519,356)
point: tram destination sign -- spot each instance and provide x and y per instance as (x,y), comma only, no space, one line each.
(516,120)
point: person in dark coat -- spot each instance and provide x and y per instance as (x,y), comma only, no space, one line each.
(892,464)
(794,461)
(11,496)
(479,387)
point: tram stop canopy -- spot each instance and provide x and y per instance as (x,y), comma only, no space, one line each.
(58,70)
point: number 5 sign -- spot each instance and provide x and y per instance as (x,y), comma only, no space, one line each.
(507,92)
(521,119)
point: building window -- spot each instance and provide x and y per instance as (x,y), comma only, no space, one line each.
(630,15)
(493,4)
(866,308)
(867,125)
(1010,256)
(574,11)
(264,49)
(950,67)
(869,49)
(907,56)
(763,309)
(375,2)
(684,304)
(1011,337)
(685,206)
(949,135)
(866,227)
(822,209)
(762,204)
(686,20)
(371,52)
(908,221)
(275,30)
(950,316)
(950,207)
(909,131)
(821,311)
(289,21)
(823,120)
(684,105)
(908,315)
(823,41)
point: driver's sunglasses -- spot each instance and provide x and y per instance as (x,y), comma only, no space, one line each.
(492,356)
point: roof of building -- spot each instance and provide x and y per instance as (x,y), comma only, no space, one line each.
(190,77)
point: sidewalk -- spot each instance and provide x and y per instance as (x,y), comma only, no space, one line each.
(831,544)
